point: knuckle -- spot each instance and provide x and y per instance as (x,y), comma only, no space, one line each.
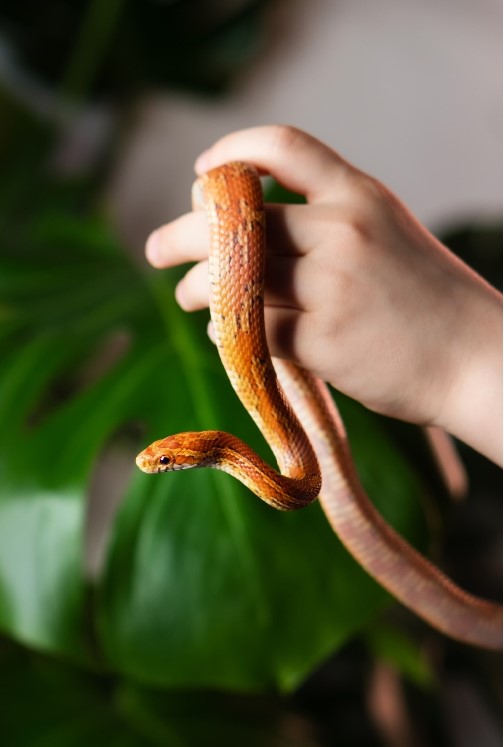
(284,137)
(367,193)
(356,228)
(348,228)
(363,206)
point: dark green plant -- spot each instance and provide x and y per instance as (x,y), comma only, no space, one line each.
(201,585)
(110,49)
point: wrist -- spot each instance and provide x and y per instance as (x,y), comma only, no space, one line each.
(471,408)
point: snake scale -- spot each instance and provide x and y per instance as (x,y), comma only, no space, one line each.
(299,419)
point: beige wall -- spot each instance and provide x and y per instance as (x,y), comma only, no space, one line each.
(409,90)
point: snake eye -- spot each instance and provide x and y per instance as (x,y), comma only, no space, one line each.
(164,460)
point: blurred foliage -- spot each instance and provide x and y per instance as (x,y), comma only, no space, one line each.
(116,47)
(202,583)
(49,704)
(392,646)
(481,247)
(202,586)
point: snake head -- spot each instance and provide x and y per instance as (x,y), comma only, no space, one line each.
(152,460)
(167,455)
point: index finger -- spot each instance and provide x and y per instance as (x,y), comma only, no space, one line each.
(297,160)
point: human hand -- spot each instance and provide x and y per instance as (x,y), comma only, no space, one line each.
(358,291)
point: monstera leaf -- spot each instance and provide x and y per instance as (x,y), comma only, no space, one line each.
(45,702)
(202,584)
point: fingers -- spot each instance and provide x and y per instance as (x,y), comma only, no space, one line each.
(183,240)
(192,291)
(291,230)
(285,285)
(288,332)
(297,160)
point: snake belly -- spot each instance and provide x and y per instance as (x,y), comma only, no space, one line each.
(300,421)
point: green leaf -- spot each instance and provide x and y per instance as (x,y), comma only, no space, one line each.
(395,648)
(202,585)
(46,703)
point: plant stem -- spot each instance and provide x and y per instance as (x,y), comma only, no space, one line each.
(96,30)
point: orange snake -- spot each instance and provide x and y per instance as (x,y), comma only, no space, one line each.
(232,197)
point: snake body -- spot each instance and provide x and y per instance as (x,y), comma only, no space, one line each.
(300,421)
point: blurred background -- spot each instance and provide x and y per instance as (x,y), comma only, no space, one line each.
(181,611)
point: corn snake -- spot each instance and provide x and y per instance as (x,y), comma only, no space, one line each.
(299,419)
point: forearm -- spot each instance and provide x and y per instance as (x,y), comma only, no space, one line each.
(472,408)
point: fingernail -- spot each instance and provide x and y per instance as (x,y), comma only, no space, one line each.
(202,162)
(180,296)
(211,331)
(152,249)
